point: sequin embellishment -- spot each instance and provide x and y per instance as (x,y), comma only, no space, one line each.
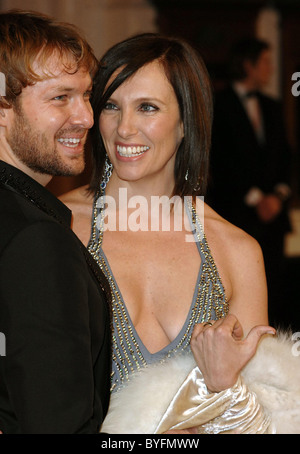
(128,353)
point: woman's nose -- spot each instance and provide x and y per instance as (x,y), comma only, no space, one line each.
(127,125)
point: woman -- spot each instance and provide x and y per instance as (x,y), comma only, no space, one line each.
(172,287)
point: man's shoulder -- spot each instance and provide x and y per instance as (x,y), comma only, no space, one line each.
(225,99)
(270,101)
(14,205)
(225,93)
(18,213)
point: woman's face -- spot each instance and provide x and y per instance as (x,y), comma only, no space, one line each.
(141,126)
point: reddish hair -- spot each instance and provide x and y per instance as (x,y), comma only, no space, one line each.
(28,37)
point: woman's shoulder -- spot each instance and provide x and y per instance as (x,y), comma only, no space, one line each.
(237,255)
(224,233)
(233,250)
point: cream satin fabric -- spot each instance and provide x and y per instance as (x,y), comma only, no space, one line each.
(173,394)
(234,410)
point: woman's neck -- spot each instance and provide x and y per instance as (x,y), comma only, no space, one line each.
(144,188)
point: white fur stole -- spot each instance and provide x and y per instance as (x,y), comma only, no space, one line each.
(273,374)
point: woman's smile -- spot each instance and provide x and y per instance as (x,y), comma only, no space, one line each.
(131,151)
(141,126)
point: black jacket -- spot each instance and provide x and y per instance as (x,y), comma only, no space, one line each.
(54,313)
(239,162)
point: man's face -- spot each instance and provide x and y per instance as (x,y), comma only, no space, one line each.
(261,71)
(47,128)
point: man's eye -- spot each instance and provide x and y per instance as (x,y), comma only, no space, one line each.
(60,98)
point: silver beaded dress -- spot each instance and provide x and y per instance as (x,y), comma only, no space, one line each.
(209,303)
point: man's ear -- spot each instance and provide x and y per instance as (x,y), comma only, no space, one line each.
(3,102)
(248,67)
(4,114)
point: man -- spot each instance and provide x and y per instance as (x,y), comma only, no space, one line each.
(250,169)
(54,313)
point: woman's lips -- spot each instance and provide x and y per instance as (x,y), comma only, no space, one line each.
(130,151)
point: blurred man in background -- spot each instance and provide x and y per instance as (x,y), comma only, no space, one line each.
(250,163)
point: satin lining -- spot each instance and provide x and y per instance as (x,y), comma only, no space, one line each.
(232,411)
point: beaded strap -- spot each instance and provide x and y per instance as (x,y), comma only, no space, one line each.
(210,302)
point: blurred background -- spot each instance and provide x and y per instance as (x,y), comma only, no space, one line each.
(212,26)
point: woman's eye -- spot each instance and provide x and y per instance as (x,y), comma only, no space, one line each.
(148,108)
(110,106)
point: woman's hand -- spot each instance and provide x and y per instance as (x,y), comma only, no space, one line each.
(221,352)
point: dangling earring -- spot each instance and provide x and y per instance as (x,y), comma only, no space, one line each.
(108,168)
(186,175)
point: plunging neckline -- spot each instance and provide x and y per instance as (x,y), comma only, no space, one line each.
(209,302)
(141,344)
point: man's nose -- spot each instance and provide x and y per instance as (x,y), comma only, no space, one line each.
(82,114)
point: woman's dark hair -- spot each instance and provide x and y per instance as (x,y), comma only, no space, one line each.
(188,76)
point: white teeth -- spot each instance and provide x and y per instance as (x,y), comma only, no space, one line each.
(69,142)
(131,151)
